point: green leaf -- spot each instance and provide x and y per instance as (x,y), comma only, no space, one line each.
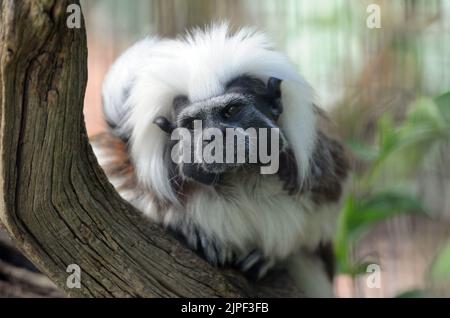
(359,216)
(388,137)
(424,113)
(404,149)
(416,293)
(440,269)
(342,242)
(359,268)
(363,151)
(379,207)
(443,103)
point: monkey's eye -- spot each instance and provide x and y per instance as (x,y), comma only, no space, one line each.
(232,110)
(189,124)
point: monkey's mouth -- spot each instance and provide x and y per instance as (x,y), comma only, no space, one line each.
(208,174)
(212,173)
(220,168)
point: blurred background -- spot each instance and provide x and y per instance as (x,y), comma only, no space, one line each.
(386,90)
(381,88)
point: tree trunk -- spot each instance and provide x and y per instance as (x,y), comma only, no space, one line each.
(56,202)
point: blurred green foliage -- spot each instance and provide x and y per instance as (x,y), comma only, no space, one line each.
(360,215)
(440,270)
(400,152)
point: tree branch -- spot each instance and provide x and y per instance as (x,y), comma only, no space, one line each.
(55,201)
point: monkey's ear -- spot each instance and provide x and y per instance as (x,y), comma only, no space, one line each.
(165,125)
(274,87)
(179,103)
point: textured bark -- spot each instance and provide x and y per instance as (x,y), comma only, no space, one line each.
(56,202)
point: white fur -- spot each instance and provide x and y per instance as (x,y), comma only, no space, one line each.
(200,66)
(258,213)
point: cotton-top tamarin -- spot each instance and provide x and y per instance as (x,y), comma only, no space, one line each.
(230,213)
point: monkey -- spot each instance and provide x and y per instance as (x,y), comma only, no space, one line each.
(230,213)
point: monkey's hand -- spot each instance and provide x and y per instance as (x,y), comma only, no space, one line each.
(254,265)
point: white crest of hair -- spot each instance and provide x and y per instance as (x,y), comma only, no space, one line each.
(199,66)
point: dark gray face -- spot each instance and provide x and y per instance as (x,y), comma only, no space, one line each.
(248,104)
